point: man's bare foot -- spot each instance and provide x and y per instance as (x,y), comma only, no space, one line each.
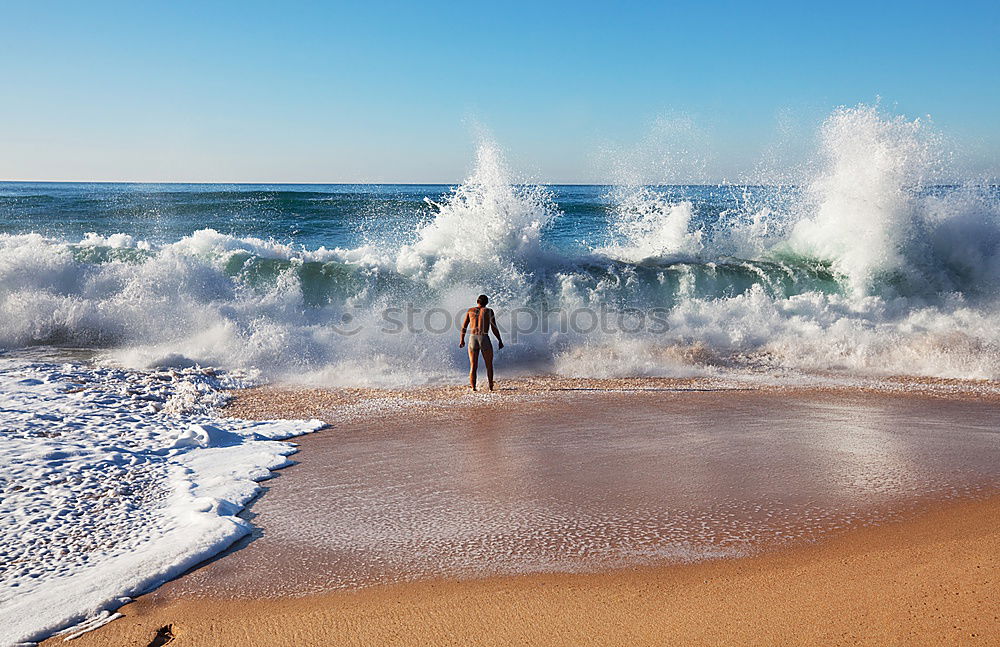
(491,386)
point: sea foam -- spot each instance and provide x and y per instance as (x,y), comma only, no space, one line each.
(115,481)
(875,262)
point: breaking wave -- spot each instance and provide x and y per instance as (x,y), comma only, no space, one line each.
(874,265)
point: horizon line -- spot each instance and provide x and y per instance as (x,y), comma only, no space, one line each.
(372,183)
(991,182)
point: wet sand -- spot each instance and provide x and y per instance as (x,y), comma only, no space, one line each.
(933,580)
(590,480)
(823,495)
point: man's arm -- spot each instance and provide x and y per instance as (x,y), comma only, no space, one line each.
(465,324)
(496,331)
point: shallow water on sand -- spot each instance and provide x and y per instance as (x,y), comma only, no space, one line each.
(593,481)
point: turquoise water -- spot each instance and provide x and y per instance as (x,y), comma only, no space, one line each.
(310,215)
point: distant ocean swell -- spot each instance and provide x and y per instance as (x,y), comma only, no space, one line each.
(871,267)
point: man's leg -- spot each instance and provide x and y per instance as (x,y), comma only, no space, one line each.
(473,364)
(488,359)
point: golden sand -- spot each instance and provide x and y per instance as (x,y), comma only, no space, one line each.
(931,579)
(934,580)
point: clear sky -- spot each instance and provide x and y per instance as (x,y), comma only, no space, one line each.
(383,92)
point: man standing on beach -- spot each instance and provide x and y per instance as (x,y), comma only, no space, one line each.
(481,320)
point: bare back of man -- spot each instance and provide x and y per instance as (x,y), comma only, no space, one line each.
(479,321)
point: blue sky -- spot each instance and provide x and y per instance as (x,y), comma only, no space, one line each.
(382,92)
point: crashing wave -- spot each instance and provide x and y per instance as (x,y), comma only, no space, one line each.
(873,266)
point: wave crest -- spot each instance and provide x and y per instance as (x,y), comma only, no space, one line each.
(866,268)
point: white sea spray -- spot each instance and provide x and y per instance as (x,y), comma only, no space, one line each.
(115,481)
(869,265)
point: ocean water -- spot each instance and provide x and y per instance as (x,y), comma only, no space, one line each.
(879,261)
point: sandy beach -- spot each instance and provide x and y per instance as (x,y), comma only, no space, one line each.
(930,580)
(382,535)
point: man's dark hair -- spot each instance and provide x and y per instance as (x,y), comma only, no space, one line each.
(483,300)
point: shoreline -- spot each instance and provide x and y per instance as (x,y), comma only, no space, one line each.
(934,578)
(435,610)
(348,404)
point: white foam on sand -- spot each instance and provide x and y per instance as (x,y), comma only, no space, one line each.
(114,482)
